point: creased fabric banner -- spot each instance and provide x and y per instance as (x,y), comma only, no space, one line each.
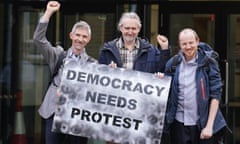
(118,105)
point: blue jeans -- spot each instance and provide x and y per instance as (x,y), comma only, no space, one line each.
(59,138)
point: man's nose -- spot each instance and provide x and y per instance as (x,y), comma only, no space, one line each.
(80,38)
(188,46)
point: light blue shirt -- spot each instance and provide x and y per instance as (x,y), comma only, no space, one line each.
(187,109)
(70,56)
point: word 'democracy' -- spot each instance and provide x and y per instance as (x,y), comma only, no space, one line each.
(111,104)
(116,83)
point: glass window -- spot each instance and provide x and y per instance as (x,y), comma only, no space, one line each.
(1,67)
(33,73)
(233,55)
(154,24)
(102,25)
(202,23)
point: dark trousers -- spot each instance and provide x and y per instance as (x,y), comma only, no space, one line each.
(181,134)
(59,138)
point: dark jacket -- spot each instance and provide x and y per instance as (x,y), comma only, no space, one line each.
(209,86)
(149,58)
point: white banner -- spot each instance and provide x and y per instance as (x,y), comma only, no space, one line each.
(117,105)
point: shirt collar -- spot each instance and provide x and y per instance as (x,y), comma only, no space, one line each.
(121,45)
(193,60)
(71,54)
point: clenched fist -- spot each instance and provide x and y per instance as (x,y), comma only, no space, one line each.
(162,41)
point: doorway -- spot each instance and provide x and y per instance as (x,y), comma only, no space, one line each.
(217,27)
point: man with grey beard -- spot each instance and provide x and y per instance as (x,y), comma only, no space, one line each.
(132,52)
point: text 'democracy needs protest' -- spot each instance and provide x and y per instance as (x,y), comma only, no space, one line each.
(110,104)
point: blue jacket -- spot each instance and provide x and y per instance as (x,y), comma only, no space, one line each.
(149,58)
(209,86)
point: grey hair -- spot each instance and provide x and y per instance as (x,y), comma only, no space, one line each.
(186,30)
(82,24)
(130,15)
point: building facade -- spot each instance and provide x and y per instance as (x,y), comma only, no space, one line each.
(23,71)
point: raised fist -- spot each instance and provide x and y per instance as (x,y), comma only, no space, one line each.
(53,6)
(162,41)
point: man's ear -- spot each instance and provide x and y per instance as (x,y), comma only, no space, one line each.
(70,35)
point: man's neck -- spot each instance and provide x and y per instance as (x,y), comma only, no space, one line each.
(129,45)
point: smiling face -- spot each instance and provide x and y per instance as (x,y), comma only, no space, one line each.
(130,29)
(80,38)
(188,42)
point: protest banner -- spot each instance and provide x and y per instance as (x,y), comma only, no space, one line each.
(118,105)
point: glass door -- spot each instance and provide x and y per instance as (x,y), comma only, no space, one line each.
(32,74)
(204,24)
(103,28)
(233,54)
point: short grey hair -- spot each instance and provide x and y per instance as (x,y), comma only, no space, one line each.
(186,30)
(82,24)
(130,15)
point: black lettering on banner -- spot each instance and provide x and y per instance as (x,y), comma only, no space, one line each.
(105,81)
(147,89)
(115,84)
(96,117)
(121,102)
(81,76)
(91,96)
(71,75)
(111,100)
(93,79)
(126,123)
(138,87)
(137,123)
(86,115)
(105,118)
(116,121)
(132,104)
(101,98)
(126,85)
(75,111)
(159,90)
